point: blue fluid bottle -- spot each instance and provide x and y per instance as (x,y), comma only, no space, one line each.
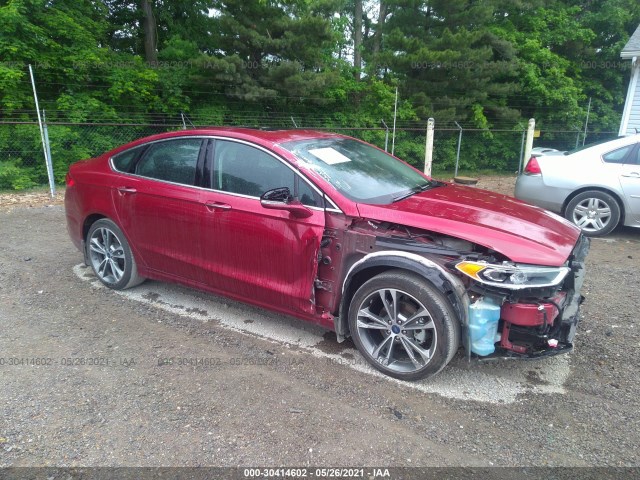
(484,316)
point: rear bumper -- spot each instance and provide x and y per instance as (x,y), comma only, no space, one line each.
(72,214)
(532,189)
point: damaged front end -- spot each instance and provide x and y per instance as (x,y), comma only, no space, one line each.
(523,310)
(505,309)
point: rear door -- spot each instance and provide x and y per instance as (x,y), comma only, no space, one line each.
(159,207)
(630,183)
(262,255)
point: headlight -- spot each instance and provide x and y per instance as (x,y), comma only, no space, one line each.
(513,276)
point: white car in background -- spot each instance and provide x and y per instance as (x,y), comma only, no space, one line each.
(596,186)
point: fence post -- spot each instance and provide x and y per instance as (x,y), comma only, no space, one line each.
(524,134)
(47,158)
(52,180)
(529,143)
(428,153)
(458,153)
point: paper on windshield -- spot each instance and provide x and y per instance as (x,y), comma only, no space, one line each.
(329,156)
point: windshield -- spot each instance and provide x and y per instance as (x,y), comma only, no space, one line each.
(359,171)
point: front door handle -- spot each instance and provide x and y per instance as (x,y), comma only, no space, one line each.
(126,190)
(217,206)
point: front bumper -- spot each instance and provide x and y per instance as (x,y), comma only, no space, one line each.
(545,325)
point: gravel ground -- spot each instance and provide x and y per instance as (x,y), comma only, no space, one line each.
(101,394)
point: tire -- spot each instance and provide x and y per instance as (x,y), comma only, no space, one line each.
(595,212)
(110,256)
(414,345)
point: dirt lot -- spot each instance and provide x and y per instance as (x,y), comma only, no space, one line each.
(86,381)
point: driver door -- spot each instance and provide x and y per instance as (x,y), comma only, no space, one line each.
(261,255)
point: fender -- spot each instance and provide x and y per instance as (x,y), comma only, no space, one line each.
(444,281)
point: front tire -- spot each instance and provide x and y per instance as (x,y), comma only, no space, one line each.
(110,256)
(403,326)
(595,212)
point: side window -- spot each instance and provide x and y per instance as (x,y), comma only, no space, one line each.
(308,196)
(124,160)
(240,168)
(171,160)
(617,156)
(636,157)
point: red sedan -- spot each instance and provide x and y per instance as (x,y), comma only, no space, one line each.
(334,231)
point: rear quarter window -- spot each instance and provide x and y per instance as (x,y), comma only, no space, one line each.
(618,156)
(123,161)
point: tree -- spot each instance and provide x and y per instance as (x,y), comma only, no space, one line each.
(149,22)
(448,61)
(357,38)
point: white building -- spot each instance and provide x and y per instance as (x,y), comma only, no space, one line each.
(631,115)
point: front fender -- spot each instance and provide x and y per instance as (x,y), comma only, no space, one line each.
(444,281)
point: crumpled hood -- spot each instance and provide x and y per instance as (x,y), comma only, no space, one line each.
(523,233)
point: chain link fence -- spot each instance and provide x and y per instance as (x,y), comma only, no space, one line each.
(22,163)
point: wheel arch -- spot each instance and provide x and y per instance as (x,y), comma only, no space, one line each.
(616,196)
(88,221)
(86,226)
(375,263)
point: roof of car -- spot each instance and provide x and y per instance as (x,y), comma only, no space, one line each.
(604,146)
(266,138)
(271,136)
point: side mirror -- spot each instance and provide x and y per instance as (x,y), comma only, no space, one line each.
(282,195)
(281,199)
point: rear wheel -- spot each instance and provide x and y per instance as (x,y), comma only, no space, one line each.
(403,326)
(110,256)
(595,212)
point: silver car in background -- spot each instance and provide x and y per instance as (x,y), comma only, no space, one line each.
(596,187)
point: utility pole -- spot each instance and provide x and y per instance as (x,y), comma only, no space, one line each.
(586,122)
(395,114)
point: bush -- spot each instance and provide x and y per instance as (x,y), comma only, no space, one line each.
(15,178)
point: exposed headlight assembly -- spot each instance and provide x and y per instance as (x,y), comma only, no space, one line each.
(512,276)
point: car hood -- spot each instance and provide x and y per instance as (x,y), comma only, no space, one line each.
(521,232)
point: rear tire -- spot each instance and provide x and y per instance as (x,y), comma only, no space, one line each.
(110,256)
(595,212)
(403,326)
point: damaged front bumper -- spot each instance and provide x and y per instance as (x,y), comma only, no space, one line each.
(535,324)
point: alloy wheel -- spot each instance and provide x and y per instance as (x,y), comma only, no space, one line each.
(592,214)
(107,255)
(396,330)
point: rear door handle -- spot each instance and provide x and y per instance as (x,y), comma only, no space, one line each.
(217,206)
(632,175)
(126,190)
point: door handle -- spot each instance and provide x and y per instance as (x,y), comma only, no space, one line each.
(217,206)
(126,190)
(632,175)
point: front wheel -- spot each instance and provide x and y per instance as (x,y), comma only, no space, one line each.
(403,326)
(110,256)
(595,212)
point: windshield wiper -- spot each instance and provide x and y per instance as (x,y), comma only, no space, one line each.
(413,191)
